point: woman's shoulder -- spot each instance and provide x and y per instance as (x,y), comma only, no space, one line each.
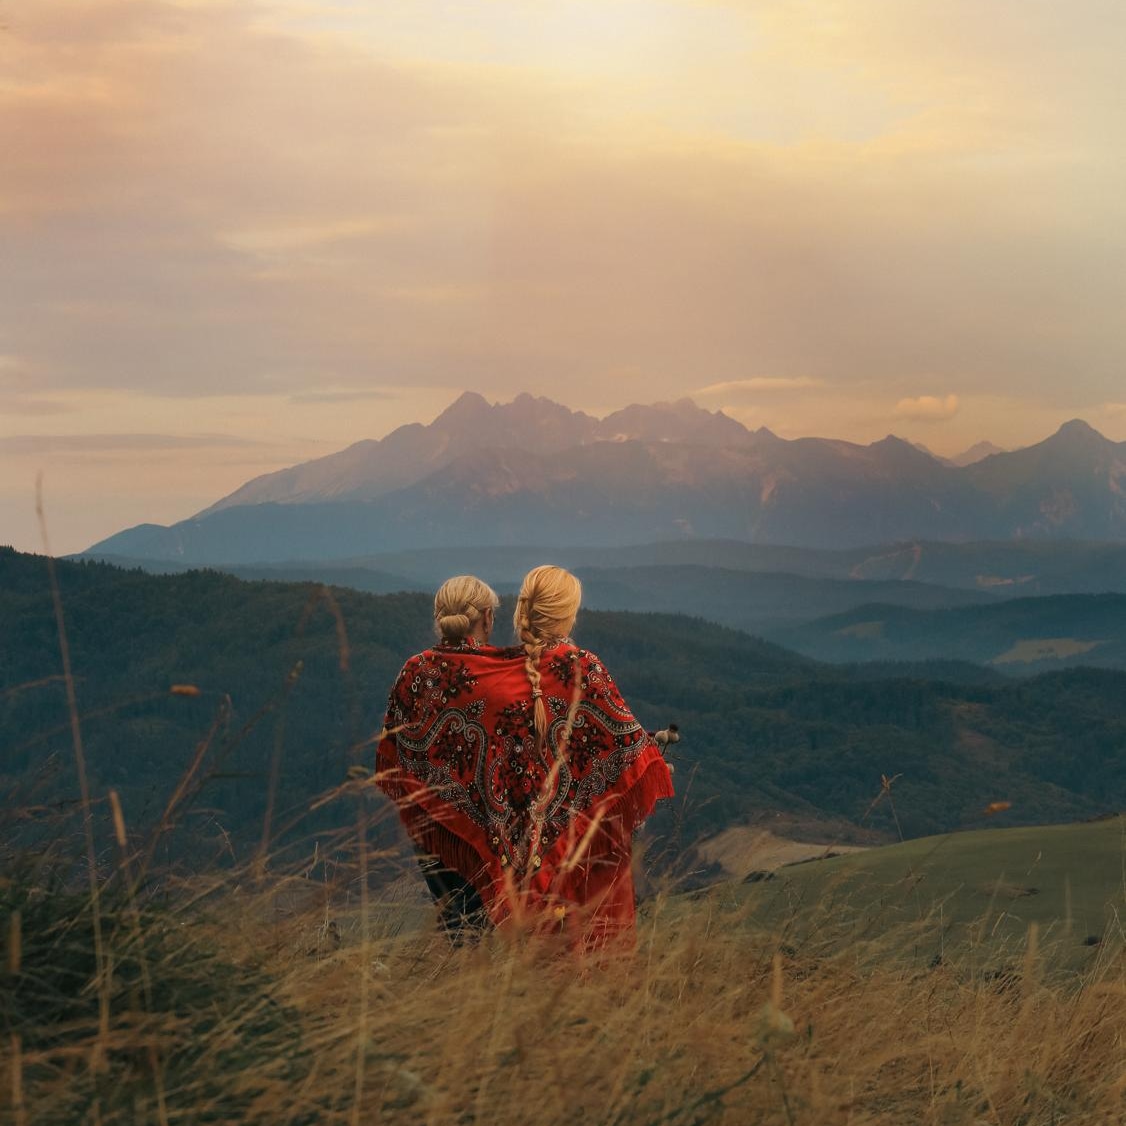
(432,656)
(579,652)
(441,650)
(567,651)
(444,652)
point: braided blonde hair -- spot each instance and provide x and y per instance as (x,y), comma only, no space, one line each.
(545,612)
(459,604)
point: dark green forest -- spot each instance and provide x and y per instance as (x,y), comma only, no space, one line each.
(292,679)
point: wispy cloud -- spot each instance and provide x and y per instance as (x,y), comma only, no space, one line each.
(763,383)
(928,408)
(341,396)
(32,405)
(300,234)
(114,443)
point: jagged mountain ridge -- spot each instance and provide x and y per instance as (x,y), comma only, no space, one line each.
(373,468)
(532,471)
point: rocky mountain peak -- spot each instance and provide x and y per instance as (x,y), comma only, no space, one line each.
(467,407)
(679,421)
(1078,433)
(893,446)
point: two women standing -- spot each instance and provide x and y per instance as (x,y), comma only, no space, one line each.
(519,771)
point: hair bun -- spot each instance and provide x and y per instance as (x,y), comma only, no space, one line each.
(453,627)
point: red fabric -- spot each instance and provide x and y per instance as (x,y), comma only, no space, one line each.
(544,837)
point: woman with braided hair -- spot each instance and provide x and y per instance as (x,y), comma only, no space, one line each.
(523,771)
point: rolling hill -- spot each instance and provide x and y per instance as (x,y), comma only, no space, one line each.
(760,602)
(972,891)
(1020,636)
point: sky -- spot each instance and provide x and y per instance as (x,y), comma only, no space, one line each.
(238,234)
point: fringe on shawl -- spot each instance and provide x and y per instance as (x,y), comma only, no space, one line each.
(645,784)
(429,826)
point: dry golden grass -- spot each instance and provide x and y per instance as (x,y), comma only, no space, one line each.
(695,1028)
(303,1007)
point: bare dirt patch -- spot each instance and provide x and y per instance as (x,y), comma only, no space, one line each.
(1030,650)
(744,848)
(865,631)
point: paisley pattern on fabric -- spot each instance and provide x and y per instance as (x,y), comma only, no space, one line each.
(463,721)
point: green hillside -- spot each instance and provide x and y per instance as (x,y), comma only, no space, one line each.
(960,890)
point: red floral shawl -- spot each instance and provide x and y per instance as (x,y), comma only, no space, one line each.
(540,835)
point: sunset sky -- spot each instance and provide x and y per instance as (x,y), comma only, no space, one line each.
(238,234)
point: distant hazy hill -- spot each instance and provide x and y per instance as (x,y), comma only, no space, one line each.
(532,471)
(1018,636)
(1001,570)
(975,453)
(755,601)
(764,729)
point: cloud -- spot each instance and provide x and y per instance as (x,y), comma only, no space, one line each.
(113,443)
(927,408)
(298,234)
(221,197)
(763,383)
(340,396)
(31,405)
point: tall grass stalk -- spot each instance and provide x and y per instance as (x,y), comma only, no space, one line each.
(156,1064)
(100,962)
(15,940)
(365,967)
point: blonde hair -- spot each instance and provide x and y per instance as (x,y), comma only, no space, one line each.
(459,605)
(545,612)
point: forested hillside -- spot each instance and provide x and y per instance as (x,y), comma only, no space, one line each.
(1019,635)
(298,674)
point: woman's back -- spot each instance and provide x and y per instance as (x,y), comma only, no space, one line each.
(463,717)
(523,769)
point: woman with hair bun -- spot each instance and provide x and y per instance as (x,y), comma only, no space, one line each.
(464,615)
(464,611)
(523,771)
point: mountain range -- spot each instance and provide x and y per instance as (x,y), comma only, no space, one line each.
(534,472)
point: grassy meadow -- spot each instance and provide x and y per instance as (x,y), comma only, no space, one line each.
(958,890)
(903,984)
